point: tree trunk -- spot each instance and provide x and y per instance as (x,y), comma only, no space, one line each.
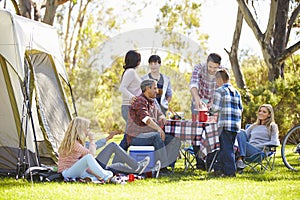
(240,81)
(51,7)
(25,8)
(280,34)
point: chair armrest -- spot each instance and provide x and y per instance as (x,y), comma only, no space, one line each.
(270,147)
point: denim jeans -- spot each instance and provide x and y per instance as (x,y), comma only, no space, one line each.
(124,110)
(172,145)
(226,158)
(122,162)
(152,139)
(245,148)
(79,169)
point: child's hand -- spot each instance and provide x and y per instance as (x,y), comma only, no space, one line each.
(91,136)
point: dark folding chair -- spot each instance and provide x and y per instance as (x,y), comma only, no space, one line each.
(190,159)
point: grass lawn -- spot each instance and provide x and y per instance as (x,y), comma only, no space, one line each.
(280,183)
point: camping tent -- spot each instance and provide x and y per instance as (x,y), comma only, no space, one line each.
(34,111)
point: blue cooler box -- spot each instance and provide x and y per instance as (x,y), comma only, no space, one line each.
(140,152)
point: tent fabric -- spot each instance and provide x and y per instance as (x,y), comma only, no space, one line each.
(19,34)
(34,111)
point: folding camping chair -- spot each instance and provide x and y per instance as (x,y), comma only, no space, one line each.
(262,161)
(190,159)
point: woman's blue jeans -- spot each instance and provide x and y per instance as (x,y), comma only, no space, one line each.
(124,110)
(245,148)
(79,169)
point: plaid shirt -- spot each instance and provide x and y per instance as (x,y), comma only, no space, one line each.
(227,102)
(141,108)
(204,82)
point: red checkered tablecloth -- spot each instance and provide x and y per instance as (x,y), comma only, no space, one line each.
(193,133)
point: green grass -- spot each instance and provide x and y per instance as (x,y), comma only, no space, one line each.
(280,183)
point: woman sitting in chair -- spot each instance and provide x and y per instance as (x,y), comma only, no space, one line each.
(261,133)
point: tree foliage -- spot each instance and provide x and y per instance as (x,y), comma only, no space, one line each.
(182,17)
(84,24)
(286,99)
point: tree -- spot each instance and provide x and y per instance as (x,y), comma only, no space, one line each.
(274,41)
(25,9)
(182,17)
(233,57)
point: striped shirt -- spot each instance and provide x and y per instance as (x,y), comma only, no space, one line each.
(227,102)
(203,81)
(67,161)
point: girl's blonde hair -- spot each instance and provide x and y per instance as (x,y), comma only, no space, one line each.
(270,120)
(76,131)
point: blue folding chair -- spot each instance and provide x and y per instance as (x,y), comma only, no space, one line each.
(263,160)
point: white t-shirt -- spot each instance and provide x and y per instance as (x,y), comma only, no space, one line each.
(130,85)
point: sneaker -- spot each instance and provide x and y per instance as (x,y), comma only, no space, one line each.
(164,172)
(240,164)
(156,169)
(142,165)
(115,180)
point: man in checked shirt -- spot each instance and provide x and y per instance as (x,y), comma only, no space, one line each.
(202,87)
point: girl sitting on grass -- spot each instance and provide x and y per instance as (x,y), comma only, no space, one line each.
(76,161)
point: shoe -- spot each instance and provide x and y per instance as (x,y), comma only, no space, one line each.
(201,167)
(115,180)
(220,174)
(156,169)
(142,165)
(217,173)
(228,175)
(164,172)
(240,164)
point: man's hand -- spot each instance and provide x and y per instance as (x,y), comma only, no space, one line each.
(162,134)
(199,104)
(197,100)
(162,120)
(112,134)
(156,127)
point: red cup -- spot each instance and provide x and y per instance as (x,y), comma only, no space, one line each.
(130,177)
(203,116)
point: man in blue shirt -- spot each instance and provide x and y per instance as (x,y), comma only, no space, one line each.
(227,103)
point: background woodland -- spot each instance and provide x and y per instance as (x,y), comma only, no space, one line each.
(84,25)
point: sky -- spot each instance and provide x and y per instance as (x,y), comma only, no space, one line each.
(218,21)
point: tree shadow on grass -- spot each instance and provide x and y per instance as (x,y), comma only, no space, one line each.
(280,173)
